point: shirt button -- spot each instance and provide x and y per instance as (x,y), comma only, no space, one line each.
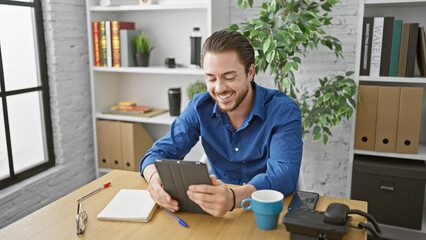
(237,149)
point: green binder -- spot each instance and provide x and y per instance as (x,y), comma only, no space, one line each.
(396,43)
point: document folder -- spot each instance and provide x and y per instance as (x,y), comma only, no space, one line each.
(135,141)
(410,110)
(366,117)
(387,119)
(115,144)
(103,144)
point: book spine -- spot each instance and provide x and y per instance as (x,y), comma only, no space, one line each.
(115,38)
(124,50)
(103,44)
(386,45)
(396,44)
(108,43)
(376,48)
(421,53)
(96,44)
(405,34)
(367,35)
(412,48)
(116,26)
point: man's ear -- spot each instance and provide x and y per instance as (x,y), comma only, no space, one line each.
(251,72)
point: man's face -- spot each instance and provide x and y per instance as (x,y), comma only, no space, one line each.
(226,79)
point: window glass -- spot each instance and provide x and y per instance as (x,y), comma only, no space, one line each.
(4,162)
(18,44)
(25,120)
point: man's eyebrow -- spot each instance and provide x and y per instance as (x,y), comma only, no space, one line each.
(225,73)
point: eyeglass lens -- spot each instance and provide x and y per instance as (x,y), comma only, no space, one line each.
(81,218)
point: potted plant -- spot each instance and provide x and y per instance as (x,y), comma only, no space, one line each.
(195,88)
(143,49)
(280,34)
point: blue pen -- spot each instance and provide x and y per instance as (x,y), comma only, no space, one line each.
(178,219)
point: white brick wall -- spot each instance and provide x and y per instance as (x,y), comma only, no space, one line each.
(324,167)
(68,69)
(68,72)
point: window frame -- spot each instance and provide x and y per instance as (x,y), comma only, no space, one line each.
(43,89)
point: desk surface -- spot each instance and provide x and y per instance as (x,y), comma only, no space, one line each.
(57,220)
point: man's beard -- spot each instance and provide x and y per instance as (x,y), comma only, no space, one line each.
(238,101)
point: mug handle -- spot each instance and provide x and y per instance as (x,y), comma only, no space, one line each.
(246,200)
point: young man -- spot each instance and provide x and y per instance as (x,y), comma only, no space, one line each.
(251,135)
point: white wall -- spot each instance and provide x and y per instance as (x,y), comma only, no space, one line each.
(68,72)
(324,168)
(68,68)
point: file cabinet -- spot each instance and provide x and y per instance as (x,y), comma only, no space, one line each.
(394,189)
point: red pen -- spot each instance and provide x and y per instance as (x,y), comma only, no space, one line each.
(93,192)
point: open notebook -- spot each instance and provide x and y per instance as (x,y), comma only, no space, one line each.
(129,205)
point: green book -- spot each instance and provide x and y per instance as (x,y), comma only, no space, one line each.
(127,52)
(396,43)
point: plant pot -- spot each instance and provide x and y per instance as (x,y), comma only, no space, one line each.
(142,60)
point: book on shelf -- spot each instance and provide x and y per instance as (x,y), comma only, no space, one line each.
(136,110)
(126,47)
(421,53)
(96,44)
(405,36)
(367,36)
(396,44)
(376,48)
(102,34)
(108,43)
(412,49)
(386,45)
(116,26)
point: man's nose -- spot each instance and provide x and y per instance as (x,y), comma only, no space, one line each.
(220,86)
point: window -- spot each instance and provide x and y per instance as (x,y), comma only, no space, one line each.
(26,145)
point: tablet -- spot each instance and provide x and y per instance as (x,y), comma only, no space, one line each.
(177,176)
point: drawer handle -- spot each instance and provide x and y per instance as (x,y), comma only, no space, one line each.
(387,188)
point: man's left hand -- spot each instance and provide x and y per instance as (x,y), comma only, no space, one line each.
(215,199)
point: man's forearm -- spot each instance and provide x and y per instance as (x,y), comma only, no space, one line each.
(149,171)
(243,192)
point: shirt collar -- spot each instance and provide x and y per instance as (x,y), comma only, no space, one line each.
(258,108)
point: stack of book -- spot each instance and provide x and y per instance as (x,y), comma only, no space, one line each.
(390,47)
(112,43)
(129,108)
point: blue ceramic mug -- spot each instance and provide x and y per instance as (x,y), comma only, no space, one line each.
(267,206)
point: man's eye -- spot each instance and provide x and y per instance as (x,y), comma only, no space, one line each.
(230,77)
(210,79)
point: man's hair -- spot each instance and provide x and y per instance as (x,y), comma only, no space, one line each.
(223,41)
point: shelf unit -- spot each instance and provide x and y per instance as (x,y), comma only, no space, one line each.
(168,26)
(408,11)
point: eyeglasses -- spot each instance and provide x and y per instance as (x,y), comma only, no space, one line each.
(80,220)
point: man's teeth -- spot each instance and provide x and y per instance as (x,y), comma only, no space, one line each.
(225,96)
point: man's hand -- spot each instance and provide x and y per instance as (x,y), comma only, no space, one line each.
(156,190)
(215,199)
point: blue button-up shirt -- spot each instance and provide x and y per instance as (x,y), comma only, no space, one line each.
(265,151)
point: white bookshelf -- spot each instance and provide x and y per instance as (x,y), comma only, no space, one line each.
(408,11)
(168,26)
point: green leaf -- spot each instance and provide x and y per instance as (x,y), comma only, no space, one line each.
(316,130)
(266,45)
(308,16)
(316,137)
(327,96)
(332,2)
(348,90)
(325,139)
(234,27)
(297,59)
(287,66)
(295,28)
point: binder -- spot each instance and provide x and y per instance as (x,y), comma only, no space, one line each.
(115,144)
(403,50)
(135,142)
(387,119)
(103,143)
(366,117)
(410,110)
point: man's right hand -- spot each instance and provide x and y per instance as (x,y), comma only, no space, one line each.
(156,190)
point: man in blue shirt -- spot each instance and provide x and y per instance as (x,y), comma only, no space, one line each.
(251,135)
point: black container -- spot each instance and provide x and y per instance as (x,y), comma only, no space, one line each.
(394,189)
(196,46)
(174,101)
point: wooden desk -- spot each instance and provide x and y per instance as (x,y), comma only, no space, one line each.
(57,220)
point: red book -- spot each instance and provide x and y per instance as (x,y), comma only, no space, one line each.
(116,26)
(96,44)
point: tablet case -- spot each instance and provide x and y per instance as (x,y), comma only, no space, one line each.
(177,176)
